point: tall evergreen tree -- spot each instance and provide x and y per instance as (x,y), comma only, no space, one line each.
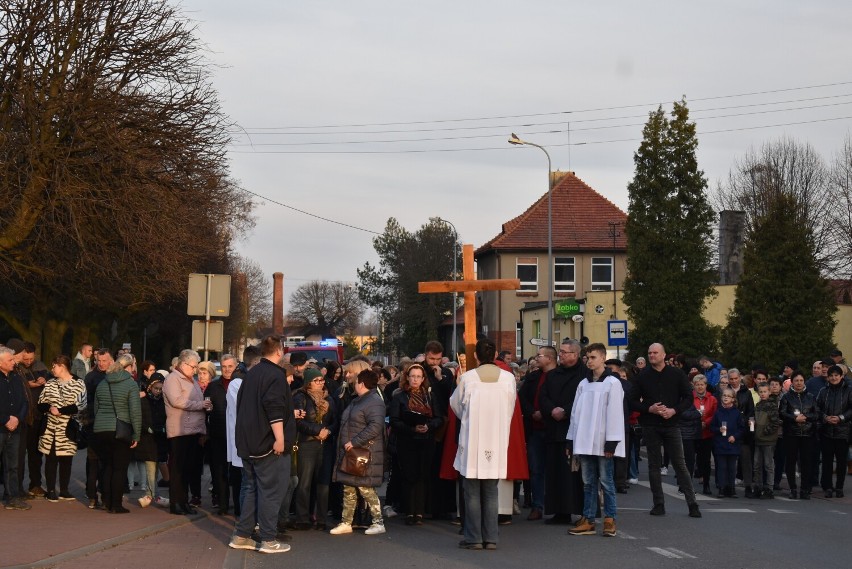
(669,239)
(783,308)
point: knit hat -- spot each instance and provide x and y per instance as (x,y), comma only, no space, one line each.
(311,374)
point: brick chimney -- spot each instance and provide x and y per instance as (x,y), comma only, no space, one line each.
(278,303)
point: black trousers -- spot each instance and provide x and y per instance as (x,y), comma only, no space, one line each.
(63,463)
(218,457)
(184,456)
(115,456)
(833,452)
(799,449)
(703,451)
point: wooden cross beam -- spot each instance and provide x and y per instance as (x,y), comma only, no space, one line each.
(469,286)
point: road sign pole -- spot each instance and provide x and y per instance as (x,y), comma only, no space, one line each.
(207,319)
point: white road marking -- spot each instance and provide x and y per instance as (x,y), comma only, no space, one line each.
(623,535)
(665,553)
(671,553)
(837,512)
(731,511)
(671,490)
(783,511)
(681,553)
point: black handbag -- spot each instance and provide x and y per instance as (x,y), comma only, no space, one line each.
(123,429)
(75,433)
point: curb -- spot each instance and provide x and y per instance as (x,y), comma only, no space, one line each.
(112,542)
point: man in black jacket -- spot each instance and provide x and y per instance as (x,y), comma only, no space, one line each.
(217,438)
(660,394)
(265,433)
(563,492)
(745,404)
(13,412)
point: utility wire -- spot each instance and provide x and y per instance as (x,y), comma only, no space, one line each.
(503,134)
(598,109)
(272,132)
(302,211)
(584,143)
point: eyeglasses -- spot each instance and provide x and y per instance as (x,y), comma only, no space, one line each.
(192,367)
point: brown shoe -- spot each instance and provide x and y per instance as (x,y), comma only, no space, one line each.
(583,527)
(535,515)
(609,527)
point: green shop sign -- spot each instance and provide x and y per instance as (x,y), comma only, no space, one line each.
(566,308)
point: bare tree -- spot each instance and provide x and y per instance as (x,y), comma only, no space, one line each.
(326,308)
(786,168)
(841,218)
(113,170)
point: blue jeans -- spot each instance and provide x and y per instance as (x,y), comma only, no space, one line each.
(536,452)
(597,469)
(9,445)
(264,482)
(633,450)
(480,510)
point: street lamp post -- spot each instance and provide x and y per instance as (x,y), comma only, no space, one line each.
(455,276)
(517,141)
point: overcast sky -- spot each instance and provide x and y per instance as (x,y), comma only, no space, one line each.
(423,70)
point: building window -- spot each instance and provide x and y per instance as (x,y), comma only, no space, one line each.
(536,331)
(602,273)
(519,333)
(527,271)
(563,274)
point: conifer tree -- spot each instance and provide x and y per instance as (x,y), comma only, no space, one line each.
(669,240)
(784,308)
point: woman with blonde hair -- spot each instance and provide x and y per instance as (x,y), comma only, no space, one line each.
(116,398)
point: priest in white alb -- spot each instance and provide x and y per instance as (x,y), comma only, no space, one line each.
(484,402)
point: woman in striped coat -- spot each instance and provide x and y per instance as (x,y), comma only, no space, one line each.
(62,397)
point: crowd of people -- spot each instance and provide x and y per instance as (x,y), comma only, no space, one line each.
(292,444)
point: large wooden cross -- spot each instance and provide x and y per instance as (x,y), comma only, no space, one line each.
(469,285)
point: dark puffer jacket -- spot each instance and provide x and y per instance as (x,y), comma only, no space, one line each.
(361,423)
(835,400)
(806,404)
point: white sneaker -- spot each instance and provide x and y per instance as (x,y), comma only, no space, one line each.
(273,546)
(388,511)
(340,529)
(160,501)
(516,508)
(238,542)
(145,501)
(375,529)
(664,471)
(633,481)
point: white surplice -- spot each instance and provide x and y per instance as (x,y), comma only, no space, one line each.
(231,421)
(597,416)
(484,402)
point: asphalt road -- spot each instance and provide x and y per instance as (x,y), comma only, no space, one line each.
(775,534)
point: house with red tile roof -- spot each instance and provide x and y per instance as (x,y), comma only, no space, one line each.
(589,254)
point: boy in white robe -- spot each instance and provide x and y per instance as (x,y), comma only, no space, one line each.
(595,436)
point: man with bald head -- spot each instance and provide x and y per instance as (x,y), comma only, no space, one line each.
(661,393)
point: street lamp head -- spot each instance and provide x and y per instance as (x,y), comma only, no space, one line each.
(515,139)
